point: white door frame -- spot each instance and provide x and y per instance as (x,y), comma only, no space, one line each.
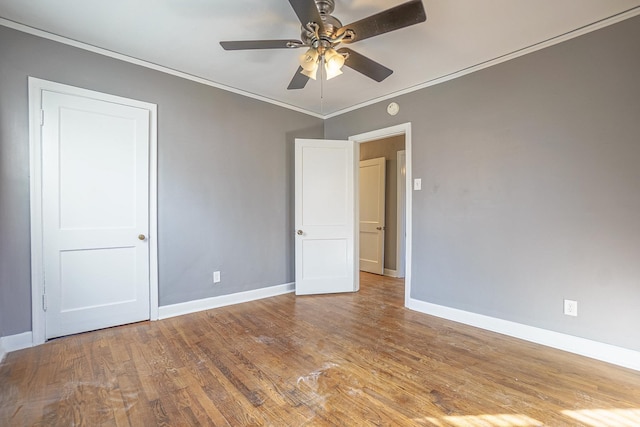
(400,209)
(402,129)
(36,86)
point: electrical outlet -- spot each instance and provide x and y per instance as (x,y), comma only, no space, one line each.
(216,277)
(570,307)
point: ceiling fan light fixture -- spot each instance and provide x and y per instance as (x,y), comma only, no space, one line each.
(311,73)
(309,59)
(333,63)
(332,72)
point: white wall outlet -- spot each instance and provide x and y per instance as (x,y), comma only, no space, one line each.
(216,277)
(570,307)
(417,184)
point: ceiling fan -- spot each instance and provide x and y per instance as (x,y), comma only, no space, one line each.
(322,33)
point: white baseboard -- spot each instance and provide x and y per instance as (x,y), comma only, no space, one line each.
(223,300)
(390,273)
(584,347)
(15,342)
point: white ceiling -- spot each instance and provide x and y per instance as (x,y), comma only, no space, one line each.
(183,35)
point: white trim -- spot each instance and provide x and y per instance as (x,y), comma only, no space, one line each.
(390,273)
(15,342)
(173,310)
(524,51)
(154,287)
(356,215)
(150,65)
(36,86)
(401,129)
(401,192)
(584,347)
(504,58)
(35,187)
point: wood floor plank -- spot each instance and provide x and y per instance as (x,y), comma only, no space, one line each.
(356,359)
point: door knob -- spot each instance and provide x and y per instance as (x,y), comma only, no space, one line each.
(378,228)
(300,232)
(141,237)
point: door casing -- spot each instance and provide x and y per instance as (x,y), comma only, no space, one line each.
(36,86)
(401,217)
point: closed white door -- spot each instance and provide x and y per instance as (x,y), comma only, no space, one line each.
(372,214)
(95,205)
(325,217)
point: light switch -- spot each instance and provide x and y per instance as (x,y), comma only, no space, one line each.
(417,184)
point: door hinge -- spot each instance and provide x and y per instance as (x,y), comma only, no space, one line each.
(44,302)
(41,117)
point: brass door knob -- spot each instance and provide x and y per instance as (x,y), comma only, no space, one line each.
(141,237)
(300,232)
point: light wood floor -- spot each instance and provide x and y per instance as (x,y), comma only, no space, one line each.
(351,359)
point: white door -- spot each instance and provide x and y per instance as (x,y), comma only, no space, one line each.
(372,204)
(95,205)
(325,213)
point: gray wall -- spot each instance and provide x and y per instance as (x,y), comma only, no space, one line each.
(225,175)
(387,148)
(531,186)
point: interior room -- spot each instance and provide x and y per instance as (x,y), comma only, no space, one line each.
(509,287)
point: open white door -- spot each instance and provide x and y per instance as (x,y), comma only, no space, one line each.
(372,215)
(95,210)
(325,212)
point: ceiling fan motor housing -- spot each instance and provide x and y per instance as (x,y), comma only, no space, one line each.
(330,26)
(325,7)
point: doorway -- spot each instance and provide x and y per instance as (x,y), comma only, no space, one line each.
(404,252)
(382,234)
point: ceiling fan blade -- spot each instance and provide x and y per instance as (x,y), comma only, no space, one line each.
(404,15)
(298,81)
(364,65)
(307,11)
(260,44)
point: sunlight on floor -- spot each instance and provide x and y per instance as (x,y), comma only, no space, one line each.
(496,420)
(606,417)
(588,417)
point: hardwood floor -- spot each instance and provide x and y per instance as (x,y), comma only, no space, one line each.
(344,360)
